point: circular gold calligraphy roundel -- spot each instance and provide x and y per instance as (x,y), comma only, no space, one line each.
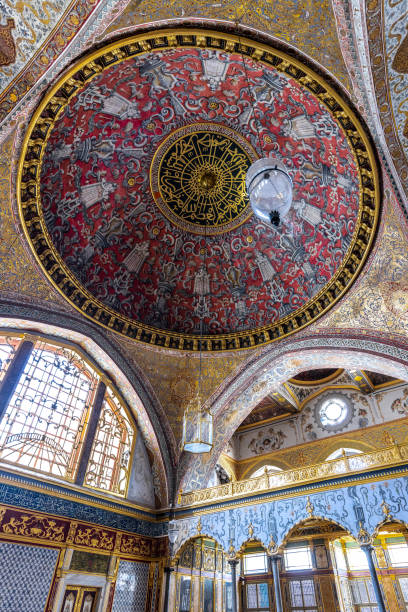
(198,178)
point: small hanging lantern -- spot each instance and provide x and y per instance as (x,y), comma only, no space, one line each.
(269,189)
(197,428)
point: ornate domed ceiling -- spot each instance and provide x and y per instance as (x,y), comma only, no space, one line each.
(132,190)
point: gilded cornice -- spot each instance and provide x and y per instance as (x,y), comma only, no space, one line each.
(316,451)
(20,525)
(252,497)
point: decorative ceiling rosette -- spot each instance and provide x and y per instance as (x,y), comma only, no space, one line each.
(132,190)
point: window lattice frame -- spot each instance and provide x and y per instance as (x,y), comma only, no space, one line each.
(45,423)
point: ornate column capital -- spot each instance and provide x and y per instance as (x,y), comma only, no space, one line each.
(233,562)
(272,549)
(363,537)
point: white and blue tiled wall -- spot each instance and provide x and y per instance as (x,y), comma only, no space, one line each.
(26,574)
(131,587)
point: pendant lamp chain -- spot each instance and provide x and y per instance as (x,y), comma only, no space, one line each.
(269,185)
(198,422)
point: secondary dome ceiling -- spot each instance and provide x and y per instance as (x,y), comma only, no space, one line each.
(145,223)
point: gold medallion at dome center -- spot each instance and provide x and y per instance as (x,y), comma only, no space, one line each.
(207,180)
(198,178)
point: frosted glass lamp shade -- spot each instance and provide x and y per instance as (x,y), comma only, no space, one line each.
(197,428)
(269,189)
(173,530)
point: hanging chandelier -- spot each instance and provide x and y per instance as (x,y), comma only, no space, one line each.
(197,427)
(269,189)
(198,422)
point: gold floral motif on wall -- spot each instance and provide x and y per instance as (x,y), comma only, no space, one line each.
(18,275)
(174,376)
(379,300)
(35,526)
(310,25)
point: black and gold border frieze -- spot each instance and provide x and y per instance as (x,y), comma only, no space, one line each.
(53,104)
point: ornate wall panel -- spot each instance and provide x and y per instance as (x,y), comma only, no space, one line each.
(310,453)
(344,506)
(379,301)
(25,494)
(33,37)
(388,38)
(37,527)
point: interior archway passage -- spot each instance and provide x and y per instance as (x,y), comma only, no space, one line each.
(122,233)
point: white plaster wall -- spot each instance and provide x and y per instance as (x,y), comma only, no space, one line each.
(368,410)
(141,489)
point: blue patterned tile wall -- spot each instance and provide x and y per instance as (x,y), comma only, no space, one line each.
(346,506)
(23,497)
(131,587)
(26,574)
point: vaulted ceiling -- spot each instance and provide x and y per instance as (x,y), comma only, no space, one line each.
(118,236)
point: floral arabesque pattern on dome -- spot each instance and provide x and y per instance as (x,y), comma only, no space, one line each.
(147,272)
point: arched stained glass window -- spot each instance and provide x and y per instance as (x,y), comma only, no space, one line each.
(343,452)
(261,470)
(43,426)
(8,347)
(109,462)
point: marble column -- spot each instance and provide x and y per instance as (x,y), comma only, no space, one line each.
(368,550)
(233,563)
(167,571)
(274,565)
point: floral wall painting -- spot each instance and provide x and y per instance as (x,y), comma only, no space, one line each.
(400,405)
(266,441)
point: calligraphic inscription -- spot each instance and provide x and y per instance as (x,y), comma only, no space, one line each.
(200,178)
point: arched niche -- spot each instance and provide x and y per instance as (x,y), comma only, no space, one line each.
(183,552)
(262,465)
(276,365)
(312,526)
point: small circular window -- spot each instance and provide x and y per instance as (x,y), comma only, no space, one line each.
(334,412)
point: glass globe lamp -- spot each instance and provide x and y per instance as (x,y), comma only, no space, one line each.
(173,530)
(197,428)
(269,189)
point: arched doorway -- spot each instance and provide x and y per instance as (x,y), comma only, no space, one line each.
(202,577)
